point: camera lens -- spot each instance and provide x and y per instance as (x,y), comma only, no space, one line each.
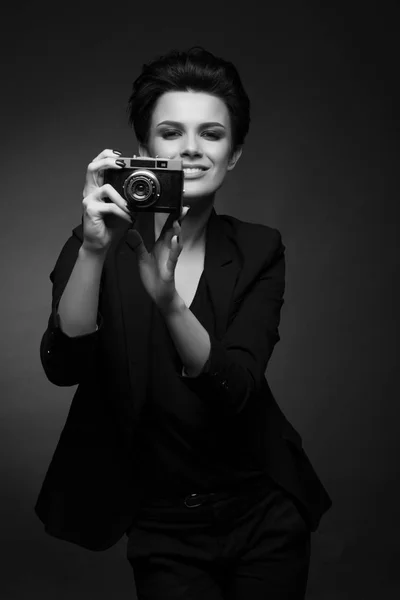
(140,190)
(142,187)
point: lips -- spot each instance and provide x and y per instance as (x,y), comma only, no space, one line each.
(191,173)
(195,166)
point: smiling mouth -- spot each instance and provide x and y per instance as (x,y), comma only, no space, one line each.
(193,170)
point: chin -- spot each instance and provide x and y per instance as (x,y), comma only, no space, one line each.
(198,191)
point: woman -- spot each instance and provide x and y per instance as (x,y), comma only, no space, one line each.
(167,326)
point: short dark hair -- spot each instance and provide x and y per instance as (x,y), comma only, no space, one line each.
(193,70)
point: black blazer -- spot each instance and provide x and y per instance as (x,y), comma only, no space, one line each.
(88,496)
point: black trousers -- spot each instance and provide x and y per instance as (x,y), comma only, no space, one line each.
(250,545)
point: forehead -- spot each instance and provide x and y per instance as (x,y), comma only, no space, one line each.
(190,108)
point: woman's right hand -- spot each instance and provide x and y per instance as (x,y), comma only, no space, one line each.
(97,235)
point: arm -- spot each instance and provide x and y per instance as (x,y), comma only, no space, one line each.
(69,342)
(237,364)
(79,302)
(191,340)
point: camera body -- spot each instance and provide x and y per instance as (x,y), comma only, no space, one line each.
(149,184)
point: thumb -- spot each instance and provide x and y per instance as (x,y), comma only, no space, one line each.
(136,242)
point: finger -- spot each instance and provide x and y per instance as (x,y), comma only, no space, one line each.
(168,227)
(137,244)
(111,208)
(108,191)
(177,224)
(174,253)
(185,210)
(95,171)
(105,163)
(107,153)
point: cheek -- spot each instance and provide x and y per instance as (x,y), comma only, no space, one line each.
(222,163)
(162,147)
(159,147)
(221,156)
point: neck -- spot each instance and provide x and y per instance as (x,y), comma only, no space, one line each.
(194,225)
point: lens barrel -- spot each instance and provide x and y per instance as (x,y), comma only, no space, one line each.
(142,187)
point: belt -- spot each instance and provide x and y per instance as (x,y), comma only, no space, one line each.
(198,499)
(192,500)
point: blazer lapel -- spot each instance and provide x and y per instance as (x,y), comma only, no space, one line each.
(221,270)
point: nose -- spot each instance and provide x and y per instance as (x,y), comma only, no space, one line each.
(191,146)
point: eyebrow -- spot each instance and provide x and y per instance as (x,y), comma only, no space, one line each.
(177,124)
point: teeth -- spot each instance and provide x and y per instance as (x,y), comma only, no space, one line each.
(187,170)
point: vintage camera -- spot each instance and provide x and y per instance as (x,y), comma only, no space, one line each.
(149,184)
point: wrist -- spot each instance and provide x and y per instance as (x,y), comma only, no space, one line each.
(98,254)
(174,306)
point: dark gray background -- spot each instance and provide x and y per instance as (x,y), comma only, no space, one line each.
(318,164)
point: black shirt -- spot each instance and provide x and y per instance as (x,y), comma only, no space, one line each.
(185,445)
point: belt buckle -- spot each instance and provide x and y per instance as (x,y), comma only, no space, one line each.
(191,497)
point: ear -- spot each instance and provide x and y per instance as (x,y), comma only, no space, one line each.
(234,158)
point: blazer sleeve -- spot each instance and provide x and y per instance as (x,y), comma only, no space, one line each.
(237,363)
(65,359)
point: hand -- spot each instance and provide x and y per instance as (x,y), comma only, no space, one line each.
(102,219)
(157,269)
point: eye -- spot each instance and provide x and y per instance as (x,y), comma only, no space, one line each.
(172,133)
(213,135)
(169,134)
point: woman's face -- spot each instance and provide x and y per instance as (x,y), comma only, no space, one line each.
(195,128)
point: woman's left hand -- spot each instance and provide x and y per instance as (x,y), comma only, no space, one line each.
(157,268)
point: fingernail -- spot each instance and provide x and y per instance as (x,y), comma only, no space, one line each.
(120,163)
(117,152)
